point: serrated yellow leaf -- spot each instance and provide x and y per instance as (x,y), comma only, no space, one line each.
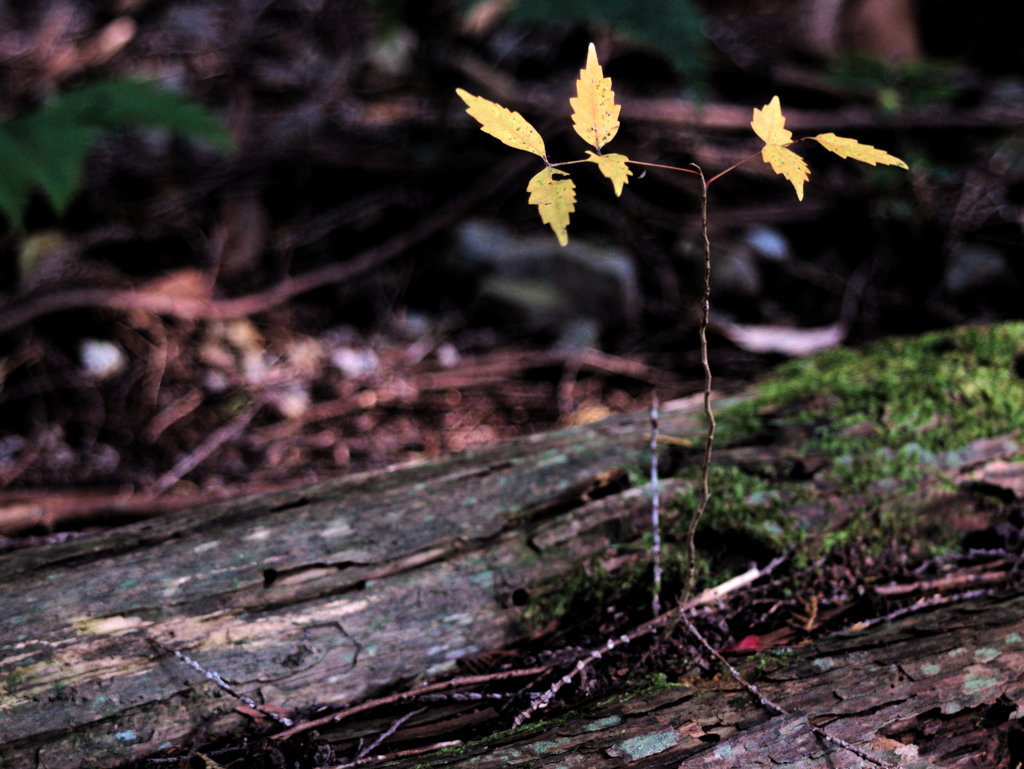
(851,148)
(595,115)
(503,124)
(614,167)
(555,199)
(789,164)
(768,123)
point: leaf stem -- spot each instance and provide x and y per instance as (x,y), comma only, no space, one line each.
(659,165)
(730,168)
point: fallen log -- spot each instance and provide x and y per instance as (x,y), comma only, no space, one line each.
(938,688)
(325,594)
(365,585)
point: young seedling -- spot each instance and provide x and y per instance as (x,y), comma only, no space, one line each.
(595,119)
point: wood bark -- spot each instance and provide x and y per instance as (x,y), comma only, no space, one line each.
(325,594)
(932,689)
(346,589)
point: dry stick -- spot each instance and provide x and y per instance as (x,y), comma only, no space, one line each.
(390,730)
(648,627)
(396,755)
(215,677)
(771,705)
(655,512)
(207,447)
(305,726)
(705,495)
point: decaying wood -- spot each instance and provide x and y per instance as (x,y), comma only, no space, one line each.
(915,693)
(318,595)
(347,589)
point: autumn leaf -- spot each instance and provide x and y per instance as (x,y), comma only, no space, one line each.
(614,167)
(504,125)
(769,124)
(851,148)
(595,115)
(555,199)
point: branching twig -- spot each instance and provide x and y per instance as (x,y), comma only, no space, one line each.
(648,627)
(765,702)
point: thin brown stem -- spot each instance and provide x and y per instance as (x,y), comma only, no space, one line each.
(727,170)
(705,494)
(659,165)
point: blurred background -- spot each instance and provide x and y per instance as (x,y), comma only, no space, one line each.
(288,253)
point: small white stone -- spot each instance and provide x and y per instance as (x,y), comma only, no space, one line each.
(101,358)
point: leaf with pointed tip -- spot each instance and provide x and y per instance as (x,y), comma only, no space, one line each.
(769,124)
(506,126)
(595,115)
(851,148)
(614,167)
(555,199)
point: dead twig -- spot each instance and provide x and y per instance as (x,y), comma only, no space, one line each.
(765,702)
(453,683)
(207,447)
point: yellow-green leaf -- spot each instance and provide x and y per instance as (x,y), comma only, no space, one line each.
(595,115)
(851,148)
(555,199)
(503,124)
(789,164)
(614,167)
(768,123)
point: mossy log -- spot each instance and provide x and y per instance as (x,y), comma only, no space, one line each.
(326,594)
(347,589)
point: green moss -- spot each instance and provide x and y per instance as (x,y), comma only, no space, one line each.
(941,390)
(741,502)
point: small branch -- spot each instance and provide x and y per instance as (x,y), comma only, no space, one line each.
(397,754)
(648,627)
(579,667)
(207,447)
(727,170)
(305,726)
(215,677)
(765,702)
(390,730)
(658,165)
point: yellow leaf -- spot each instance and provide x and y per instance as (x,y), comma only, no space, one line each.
(555,199)
(595,115)
(504,125)
(614,167)
(851,148)
(789,164)
(769,124)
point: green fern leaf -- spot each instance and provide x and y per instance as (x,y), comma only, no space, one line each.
(46,150)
